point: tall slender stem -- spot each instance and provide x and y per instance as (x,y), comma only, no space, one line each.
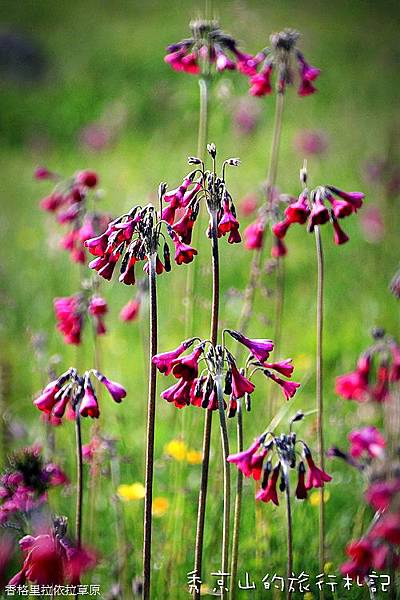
(119,522)
(255,270)
(227,487)
(79,483)
(198,553)
(79,480)
(151,410)
(319,387)
(191,274)
(238,504)
(289,537)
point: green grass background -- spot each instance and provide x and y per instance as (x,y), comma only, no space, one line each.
(100,52)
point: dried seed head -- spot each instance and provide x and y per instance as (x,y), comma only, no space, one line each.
(193,160)
(211,149)
(233,162)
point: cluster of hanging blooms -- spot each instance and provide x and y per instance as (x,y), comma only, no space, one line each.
(198,381)
(311,208)
(378,367)
(69,202)
(70,312)
(366,444)
(208,47)
(75,394)
(135,237)
(184,203)
(24,484)
(52,558)
(269,460)
(269,213)
(288,62)
(378,549)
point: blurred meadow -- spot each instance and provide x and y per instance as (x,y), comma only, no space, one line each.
(94,92)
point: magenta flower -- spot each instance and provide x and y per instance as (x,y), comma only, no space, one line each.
(89,406)
(256,463)
(376,368)
(301,489)
(367,439)
(284,367)
(179,393)
(69,202)
(243,460)
(184,254)
(260,83)
(285,58)
(298,211)
(165,360)
(311,142)
(254,235)
(339,236)
(268,492)
(25,483)
(289,388)
(116,391)
(208,48)
(278,248)
(387,528)
(240,384)
(316,477)
(259,348)
(70,318)
(184,226)
(187,367)
(229,224)
(130,311)
(351,387)
(52,559)
(71,310)
(280,229)
(319,214)
(381,493)
(310,207)
(71,393)
(361,553)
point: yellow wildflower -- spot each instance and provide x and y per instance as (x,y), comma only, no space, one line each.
(177,449)
(194,457)
(160,506)
(133,491)
(315,497)
(329,568)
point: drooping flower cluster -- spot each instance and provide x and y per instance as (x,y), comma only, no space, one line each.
(379,547)
(70,314)
(199,387)
(75,394)
(184,204)
(268,214)
(310,208)
(52,559)
(269,460)
(208,47)
(288,62)
(377,369)
(69,202)
(136,237)
(366,444)
(25,482)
